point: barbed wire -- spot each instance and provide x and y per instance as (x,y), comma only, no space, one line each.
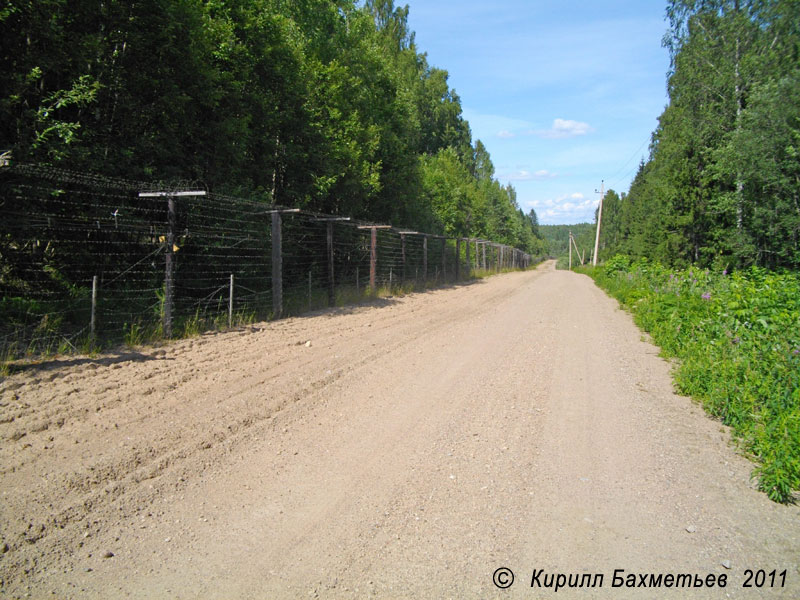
(79,248)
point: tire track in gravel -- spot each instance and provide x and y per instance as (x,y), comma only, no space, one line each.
(131,420)
(415,446)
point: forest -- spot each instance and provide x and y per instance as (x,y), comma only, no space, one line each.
(704,248)
(324,105)
(557,238)
(721,186)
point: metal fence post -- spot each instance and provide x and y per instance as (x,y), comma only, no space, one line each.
(230,303)
(169,275)
(93,322)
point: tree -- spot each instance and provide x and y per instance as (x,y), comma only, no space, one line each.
(322,104)
(708,193)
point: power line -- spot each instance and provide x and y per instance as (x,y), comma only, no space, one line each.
(625,164)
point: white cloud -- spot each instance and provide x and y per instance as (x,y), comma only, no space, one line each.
(564,128)
(525,175)
(541,203)
(568,208)
(486,126)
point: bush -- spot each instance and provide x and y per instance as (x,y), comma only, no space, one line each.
(737,337)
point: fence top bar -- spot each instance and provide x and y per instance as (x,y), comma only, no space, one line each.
(172,194)
(374,226)
(404,232)
(323,219)
(281,210)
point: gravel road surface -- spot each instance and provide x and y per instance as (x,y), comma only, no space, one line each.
(407,448)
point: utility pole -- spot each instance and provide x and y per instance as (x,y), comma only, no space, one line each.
(577,250)
(599,219)
(570,250)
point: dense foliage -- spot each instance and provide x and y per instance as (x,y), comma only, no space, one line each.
(321,104)
(718,201)
(738,340)
(722,184)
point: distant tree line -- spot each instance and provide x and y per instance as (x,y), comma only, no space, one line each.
(557,238)
(321,104)
(721,186)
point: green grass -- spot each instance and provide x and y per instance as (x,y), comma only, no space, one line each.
(49,340)
(737,338)
(7,355)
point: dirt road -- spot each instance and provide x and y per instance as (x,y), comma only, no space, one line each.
(406,449)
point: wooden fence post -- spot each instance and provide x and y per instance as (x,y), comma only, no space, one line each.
(277,266)
(373,258)
(331,289)
(403,254)
(373,253)
(329,244)
(458,258)
(444,260)
(169,275)
(425,259)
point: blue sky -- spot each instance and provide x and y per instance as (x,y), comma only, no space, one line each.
(563,93)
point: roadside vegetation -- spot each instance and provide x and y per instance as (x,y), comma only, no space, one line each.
(737,338)
(704,248)
(49,341)
(322,105)
(721,186)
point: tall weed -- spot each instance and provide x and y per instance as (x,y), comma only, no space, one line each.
(737,338)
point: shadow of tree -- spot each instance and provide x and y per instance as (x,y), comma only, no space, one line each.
(60,362)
